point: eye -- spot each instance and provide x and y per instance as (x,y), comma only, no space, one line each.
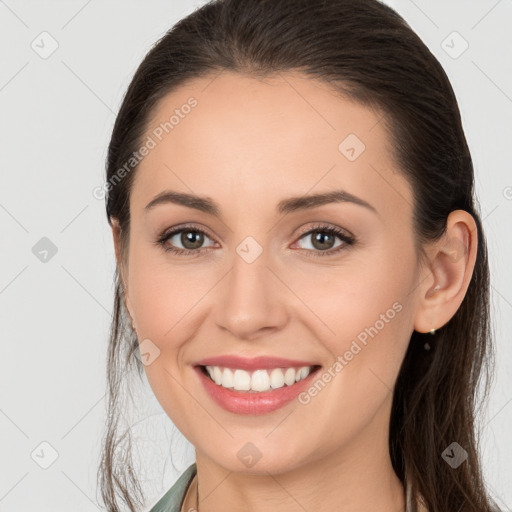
(191,238)
(323,237)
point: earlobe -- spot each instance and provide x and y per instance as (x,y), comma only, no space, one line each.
(451,266)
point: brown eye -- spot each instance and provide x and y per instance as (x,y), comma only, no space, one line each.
(192,239)
(323,240)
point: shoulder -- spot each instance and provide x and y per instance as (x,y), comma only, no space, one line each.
(172,499)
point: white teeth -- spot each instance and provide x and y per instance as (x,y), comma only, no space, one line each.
(227,378)
(304,372)
(289,376)
(217,375)
(242,380)
(259,380)
(277,378)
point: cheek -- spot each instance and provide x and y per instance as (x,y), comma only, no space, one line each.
(162,294)
(365,322)
(164,301)
(348,298)
(362,314)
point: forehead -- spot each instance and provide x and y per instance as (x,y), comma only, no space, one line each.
(249,142)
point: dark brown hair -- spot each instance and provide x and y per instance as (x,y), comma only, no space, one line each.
(367,52)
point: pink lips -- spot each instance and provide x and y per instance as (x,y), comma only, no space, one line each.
(244,402)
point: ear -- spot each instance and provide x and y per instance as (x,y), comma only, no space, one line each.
(446,280)
(116,235)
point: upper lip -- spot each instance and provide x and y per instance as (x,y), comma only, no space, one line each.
(254,363)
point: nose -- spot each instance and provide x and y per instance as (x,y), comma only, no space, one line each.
(252,300)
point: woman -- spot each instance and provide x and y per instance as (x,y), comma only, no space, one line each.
(301,264)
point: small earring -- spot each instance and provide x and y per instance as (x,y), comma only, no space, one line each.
(432,331)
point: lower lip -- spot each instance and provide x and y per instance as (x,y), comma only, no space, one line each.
(241,402)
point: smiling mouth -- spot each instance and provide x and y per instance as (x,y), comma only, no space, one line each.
(257,381)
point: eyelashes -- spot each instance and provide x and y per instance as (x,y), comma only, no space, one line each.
(347,240)
(163,239)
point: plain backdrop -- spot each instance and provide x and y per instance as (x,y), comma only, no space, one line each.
(57,261)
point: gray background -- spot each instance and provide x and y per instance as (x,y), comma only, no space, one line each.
(56,115)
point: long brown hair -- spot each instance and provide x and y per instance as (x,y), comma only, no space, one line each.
(368,52)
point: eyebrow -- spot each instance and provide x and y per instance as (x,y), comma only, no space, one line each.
(292,204)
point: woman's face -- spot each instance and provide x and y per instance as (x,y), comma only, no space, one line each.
(267,279)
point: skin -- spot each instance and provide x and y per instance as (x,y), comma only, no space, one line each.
(248,144)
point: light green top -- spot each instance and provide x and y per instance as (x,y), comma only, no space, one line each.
(172,500)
